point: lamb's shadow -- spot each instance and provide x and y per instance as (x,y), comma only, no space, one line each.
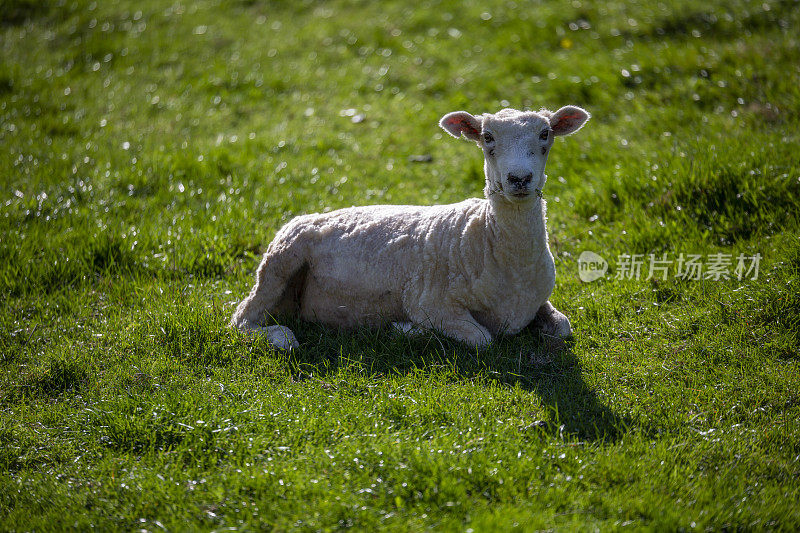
(557,378)
(574,410)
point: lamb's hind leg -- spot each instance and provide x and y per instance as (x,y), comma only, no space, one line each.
(278,336)
(279,281)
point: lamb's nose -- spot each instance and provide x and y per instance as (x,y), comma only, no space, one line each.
(519,181)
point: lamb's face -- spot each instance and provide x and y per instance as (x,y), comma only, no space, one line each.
(515,146)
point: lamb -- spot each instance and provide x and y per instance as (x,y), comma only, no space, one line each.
(471,270)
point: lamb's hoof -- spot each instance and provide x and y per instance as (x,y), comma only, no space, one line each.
(552,322)
(280,337)
(559,326)
(407,328)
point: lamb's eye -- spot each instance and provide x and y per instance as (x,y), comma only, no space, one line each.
(487,137)
(544,135)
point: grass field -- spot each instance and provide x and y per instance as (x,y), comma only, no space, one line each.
(149,151)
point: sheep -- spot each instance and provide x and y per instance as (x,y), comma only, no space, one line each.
(471,270)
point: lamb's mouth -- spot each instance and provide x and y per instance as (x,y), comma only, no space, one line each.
(525,194)
(521,194)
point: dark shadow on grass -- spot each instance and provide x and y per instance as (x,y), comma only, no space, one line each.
(50,380)
(575,412)
(557,377)
(573,409)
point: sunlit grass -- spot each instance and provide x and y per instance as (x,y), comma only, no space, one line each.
(150,151)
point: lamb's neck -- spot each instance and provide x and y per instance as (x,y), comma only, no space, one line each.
(520,228)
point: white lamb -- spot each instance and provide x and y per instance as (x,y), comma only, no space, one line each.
(471,270)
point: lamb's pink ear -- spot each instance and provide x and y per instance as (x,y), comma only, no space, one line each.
(568,119)
(459,122)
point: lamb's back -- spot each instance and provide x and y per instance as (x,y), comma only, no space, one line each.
(361,260)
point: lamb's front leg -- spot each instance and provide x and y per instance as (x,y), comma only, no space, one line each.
(554,326)
(458,324)
(552,322)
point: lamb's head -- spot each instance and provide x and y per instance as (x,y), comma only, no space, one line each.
(515,145)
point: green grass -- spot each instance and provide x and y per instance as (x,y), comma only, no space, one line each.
(150,151)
